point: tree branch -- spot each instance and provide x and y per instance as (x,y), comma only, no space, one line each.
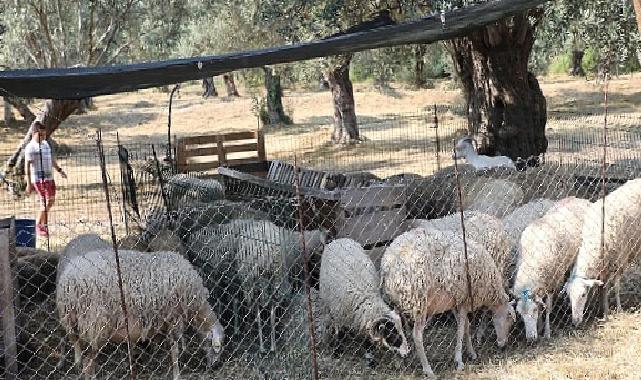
(21,107)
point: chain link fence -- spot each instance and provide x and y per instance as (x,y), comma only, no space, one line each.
(383,259)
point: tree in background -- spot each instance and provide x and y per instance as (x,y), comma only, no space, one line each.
(67,33)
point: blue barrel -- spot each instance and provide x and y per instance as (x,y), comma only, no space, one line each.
(26,233)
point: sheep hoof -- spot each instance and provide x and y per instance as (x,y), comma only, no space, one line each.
(429,373)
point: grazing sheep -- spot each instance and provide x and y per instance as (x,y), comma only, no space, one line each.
(486,230)
(267,260)
(465,149)
(163,293)
(423,272)
(350,295)
(516,221)
(548,248)
(597,266)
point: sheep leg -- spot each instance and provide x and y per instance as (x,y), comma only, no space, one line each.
(236,324)
(617,294)
(89,368)
(468,338)
(417,334)
(272,322)
(605,303)
(481,327)
(460,334)
(261,345)
(548,309)
(174,358)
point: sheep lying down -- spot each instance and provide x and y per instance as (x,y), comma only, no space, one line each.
(163,294)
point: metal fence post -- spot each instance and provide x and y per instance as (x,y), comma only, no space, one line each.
(7,309)
(438,140)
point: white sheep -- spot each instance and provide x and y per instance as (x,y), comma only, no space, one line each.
(350,296)
(488,231)
(162,290)
(548,248)
(465,149)
(621,246)
(423,272)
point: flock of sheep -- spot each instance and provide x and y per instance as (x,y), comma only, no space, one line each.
(507,261)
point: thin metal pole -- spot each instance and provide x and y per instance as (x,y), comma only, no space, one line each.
(171,100)
(123,190)
(460,202)
(163,195)
(438,140)
(103,169)
(603,163)
(310,314)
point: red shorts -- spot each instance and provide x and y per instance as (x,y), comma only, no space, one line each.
(46,188)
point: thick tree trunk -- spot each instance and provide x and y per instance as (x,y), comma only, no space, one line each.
(577,60)
(22,108)
(55,112)
(230,84)
(506,106)
(8,113)
(419,66)
(209,89)
(345,123)
(275,109)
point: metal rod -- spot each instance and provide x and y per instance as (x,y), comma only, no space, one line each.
(103,169)
(603,163)
(171,100)
(161,182)
(438,140)
(460,202)
(123,190)
(310,314)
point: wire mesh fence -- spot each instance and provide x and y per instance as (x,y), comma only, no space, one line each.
(360,267)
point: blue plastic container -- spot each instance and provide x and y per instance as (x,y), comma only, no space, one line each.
(26,233)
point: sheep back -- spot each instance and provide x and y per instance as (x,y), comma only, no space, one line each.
(622,233)
(549,246)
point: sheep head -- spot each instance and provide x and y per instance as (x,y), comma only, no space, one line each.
(529,306)
(503,317)
(388,331)
(577,289)
(215,338)
(464,147)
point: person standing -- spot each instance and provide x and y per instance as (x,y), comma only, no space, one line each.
(39,163)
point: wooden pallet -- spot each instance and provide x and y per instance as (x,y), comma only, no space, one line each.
(208,152)
(370,215)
